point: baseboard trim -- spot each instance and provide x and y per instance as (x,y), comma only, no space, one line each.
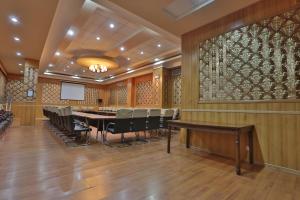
(283,169)
(277,167)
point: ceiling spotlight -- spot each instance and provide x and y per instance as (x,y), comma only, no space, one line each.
(71,32)
(158,45)
(111,25)
(98,38)
(122,48)
(99,80)
(13,19)
(68,66)
(72,62)
(128,69)
(76,76)
(22,71)
(128,58)
(17,39)
(112,77)
(156,59)
(57,53)
(20,64)
(65,70)
(19,53)
(141,52)
(83,71)
(50,65)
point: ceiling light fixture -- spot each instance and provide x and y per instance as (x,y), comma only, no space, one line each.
(99,80)
(111,25)
(72,62)
(128,58)
(97,64)
(142,53)
(156,59)
(158,45)
(13,19)
(122,48)
(76,76)
(71,32)
(17,39)
(20,64)
(19,53)
(130,71)
(57,53)
(22,71)
(68,66)
(50,65)
(98,38)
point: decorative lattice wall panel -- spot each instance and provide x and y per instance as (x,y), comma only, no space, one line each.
(91,96)
(2,86)
(144,93)
(255,62)
(122,95)
(51,94)
(176,86)
(156,94)
(15,90)
(112,96)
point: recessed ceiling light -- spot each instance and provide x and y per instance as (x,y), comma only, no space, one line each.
(128,58)
(158,45)
(111,25)
(128,69)
(72,62)
(122,48)
(141,52)
(19,53)
(99,80)
(68,66)
(83,71)
(112,77)
(98,38)
(22,71)
(17,39)
(76,76)
(50,65)
(71,32)
(57,53)
(20,64)
(13,19)
(156,59)
(65,70)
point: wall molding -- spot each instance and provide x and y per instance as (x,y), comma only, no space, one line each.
(281,112)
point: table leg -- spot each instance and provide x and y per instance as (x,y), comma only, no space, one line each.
(188,135)
(89,132)
(250,143)
(169,139)
(237,153)
(98,124)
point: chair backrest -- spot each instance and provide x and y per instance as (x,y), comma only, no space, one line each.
(124,114)
(167,113)
(139,120)
(123,121)
(176,113)
(153,122)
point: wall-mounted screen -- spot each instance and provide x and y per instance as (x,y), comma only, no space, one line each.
(72,91)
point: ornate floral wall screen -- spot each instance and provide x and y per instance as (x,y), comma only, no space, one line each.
(256,62)
(2,87)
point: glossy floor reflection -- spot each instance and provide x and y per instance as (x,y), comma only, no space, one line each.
(34,165)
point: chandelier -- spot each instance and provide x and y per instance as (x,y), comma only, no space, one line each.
(97,64)
(98,68)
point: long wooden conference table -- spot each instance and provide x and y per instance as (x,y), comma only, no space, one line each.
(236,130)
(98,118)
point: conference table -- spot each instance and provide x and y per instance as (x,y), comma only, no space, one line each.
(236,130)
(98,118)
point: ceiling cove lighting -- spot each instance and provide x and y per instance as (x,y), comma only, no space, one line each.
(18,53)
(14,19)
(181,8)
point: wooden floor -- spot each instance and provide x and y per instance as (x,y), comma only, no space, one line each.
(34,165)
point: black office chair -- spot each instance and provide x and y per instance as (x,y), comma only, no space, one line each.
(139,122)
(153,122)
(121,125)
(167,114)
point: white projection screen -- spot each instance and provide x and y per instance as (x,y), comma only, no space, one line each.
(72,91)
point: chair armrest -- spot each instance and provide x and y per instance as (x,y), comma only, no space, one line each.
(110,124)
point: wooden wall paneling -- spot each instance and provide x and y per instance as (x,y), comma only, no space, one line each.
(277,136)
